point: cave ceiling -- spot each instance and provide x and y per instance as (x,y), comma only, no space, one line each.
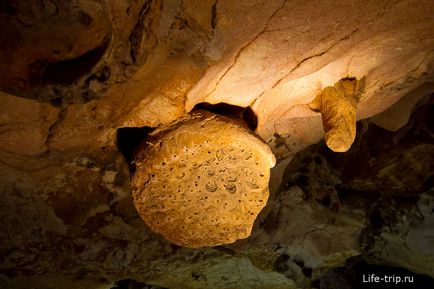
(335,97)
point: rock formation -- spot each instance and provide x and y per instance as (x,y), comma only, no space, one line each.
(338,107)
(202,180)
(83,82)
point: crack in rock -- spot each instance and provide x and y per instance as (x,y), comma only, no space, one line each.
(60,118)
(213,23)
(299,64)
(244,47)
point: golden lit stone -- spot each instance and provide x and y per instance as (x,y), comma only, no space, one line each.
(338,107)
(202,180)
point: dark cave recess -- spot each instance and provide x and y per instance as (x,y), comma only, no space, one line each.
(132,284)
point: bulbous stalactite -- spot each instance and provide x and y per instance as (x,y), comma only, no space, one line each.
(202,181)
(338,107)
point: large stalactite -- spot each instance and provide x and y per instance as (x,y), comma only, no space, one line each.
(202,181)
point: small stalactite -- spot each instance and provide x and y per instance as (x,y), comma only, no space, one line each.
(338,106)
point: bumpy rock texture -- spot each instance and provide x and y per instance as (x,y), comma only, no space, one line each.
(202,180)
(72,73)
(338,107)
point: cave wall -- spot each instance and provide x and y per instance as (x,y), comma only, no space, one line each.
(74,72)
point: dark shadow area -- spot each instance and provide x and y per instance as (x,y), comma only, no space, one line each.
(128,138)
(245,114)
(132,284)
(357,274)
(67,71)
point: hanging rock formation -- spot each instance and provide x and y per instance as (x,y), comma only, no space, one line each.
(338,107)
(202,181)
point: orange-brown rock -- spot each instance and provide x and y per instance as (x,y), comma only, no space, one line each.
(202,181)
(338,107)
(92,69)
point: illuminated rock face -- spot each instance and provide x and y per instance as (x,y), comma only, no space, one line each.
(202,181)
(73,74)
(338,107)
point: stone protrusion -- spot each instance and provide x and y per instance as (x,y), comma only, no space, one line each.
(202,180)
(338,107)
